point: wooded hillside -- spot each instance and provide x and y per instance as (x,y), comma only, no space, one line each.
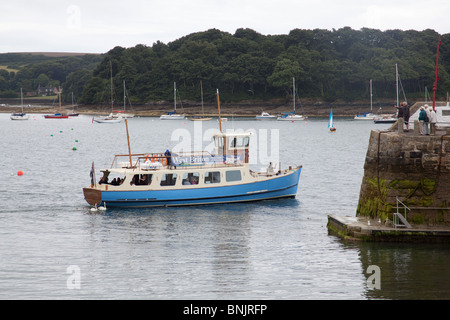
(328,65)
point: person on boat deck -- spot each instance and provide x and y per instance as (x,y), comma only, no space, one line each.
(168,156)
(103,180)
(270,169)
(195,180)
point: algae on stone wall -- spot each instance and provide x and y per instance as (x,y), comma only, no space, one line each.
(373,203)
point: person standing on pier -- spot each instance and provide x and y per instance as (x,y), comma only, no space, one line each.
(406,114)
(403,112)
(427,120)
(422,116)
(433,121)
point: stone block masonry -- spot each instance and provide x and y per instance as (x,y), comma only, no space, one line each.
(411,167)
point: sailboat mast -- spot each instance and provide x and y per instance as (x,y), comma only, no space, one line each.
(396,79)
(175,96)
(59,94)
(112,103)
(218,107)
(124,96)
(21,98)
(371,95)
(293,90)
(201,92)
(128,139)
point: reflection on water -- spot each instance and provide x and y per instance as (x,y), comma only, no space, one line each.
(408,271)
(277,249)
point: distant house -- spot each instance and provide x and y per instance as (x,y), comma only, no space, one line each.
(46,91)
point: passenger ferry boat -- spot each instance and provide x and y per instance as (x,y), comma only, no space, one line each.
(157,179)
(190,178)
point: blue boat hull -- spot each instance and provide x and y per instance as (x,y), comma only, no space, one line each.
(279,187)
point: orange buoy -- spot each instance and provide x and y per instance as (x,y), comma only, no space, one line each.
(20,173)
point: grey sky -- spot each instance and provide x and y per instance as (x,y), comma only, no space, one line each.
(97,26)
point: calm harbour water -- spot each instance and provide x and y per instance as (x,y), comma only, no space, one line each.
(264,250)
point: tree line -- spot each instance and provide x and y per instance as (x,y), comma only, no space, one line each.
(328,65)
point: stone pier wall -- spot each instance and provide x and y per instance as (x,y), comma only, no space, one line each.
(415,168)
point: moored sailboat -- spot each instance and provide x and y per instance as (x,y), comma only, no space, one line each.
(73,113)
(59,115)
(202,117)
(390,118)
(123,113)
(291,116)
(22,115)
(367,115)
(173,115)
(111,118)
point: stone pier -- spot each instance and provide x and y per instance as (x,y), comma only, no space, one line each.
(407,170)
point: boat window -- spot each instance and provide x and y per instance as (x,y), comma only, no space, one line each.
(168,179)
(212,177)
(233,175)
(446,113)
(111,178)
(190,178)
(246,141)
(141,180)
(218,142)
(237,142)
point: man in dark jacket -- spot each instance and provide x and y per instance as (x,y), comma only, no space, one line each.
(406,114)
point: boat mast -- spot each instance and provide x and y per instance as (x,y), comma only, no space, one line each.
(396,79)
(293,90)
(128,139)
(21,98)
(218,106)
(112,103)
(437,75)
(59,94)
(124,96)
(201,92)
(371,95)
(175,96)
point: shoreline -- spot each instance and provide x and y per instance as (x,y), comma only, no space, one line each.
(243,109)
(194,109)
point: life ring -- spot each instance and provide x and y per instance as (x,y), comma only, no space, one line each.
(147,158)
(164,161)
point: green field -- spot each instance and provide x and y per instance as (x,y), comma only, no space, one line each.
(8,69)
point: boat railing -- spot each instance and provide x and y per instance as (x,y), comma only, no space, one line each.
(154,161)
(119,160)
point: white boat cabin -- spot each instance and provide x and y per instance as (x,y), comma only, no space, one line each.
(229,165)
